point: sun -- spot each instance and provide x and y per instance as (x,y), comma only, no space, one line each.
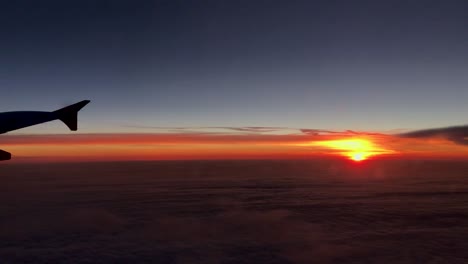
(358,156)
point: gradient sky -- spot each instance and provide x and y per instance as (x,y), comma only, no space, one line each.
(375,66)
(368,65)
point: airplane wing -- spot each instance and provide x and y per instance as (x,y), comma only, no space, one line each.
(10,121)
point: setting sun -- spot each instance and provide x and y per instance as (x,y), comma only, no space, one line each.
(358,156)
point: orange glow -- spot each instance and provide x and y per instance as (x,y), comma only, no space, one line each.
(355,149)
(110,147)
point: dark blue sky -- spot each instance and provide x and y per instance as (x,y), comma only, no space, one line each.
(369,65)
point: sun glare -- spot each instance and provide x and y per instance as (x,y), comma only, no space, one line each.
(355,149)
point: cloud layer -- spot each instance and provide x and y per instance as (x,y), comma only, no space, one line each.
(234,212)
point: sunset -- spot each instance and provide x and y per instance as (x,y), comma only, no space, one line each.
(234,131)
(218,146)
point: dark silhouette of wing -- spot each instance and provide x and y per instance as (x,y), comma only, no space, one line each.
(10,121)
(69,114)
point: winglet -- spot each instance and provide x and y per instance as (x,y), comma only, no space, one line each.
(69,114)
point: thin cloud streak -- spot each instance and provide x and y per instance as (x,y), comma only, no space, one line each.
(257,129)
(248,129)
(455,134)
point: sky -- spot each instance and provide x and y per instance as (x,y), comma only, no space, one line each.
(374,66)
